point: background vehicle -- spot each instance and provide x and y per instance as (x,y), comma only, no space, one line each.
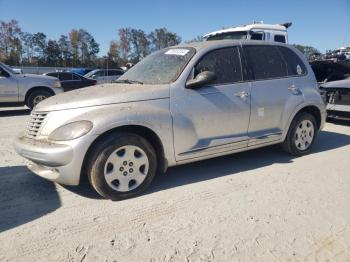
(179,105)
(105,75)
(328,70)
(337,96)
(71,81)
(80,71)
(25,89)
(255,31)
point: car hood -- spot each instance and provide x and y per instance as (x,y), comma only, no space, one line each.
(36,77)
(103,95)
(336,84)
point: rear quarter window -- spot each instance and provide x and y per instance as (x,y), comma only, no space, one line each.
(280,38)
(295,65)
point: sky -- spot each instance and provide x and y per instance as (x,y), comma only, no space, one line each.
(323,24)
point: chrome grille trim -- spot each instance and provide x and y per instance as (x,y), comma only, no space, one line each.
(35,123)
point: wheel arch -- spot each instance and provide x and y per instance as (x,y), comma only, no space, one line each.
(312,109)
(315,112)
(140,130)
(37,88)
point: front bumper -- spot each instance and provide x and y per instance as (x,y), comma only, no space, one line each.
(44,153)
(58,162)
(341,112)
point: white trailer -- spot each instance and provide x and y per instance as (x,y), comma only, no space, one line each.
(255,31)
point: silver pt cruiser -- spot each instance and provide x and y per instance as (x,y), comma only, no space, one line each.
(178,105)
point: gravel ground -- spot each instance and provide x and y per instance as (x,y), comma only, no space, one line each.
(261,205)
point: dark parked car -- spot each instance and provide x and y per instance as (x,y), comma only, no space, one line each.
(327,70)
(71,81)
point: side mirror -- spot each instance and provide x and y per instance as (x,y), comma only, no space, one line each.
(202,79)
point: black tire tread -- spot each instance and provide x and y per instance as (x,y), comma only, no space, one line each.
(99,155)
(288,144)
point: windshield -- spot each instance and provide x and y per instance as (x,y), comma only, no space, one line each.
(7,68)
(162,67)
(241,35)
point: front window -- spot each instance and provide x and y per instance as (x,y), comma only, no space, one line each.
(225,63)
(240,35)
(162,67)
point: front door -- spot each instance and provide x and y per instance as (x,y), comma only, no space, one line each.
(212,119)
(8,87)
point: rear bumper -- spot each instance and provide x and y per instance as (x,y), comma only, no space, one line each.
(61,163)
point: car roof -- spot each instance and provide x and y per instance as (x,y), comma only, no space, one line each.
(221,43)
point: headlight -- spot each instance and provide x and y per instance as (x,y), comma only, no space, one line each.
(71,131)
(57,83)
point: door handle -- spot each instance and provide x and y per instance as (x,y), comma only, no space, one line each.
(242,94)
(294,90)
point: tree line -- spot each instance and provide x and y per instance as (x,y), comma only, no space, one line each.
(78,48)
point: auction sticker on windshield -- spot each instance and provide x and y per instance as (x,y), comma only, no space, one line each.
(181,52)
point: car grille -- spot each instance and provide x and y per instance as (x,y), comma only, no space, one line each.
(35,122)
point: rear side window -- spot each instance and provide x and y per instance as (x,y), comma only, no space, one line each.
(225,63)
(114,72)
(99,73)
(257,36)
(266,62)
(75,77)
(280,38)
(295,65)
(65,76)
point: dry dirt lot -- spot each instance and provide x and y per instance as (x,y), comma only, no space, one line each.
(261,205)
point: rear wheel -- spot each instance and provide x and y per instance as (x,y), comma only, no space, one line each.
(301,135)
(122,166)
(36,97)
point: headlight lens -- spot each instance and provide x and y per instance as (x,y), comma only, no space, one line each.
(57,83)
(71,131)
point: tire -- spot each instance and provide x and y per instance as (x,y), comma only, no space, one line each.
(36,97)
(115,168)
(299,140)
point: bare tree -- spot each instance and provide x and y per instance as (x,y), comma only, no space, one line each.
(161,38)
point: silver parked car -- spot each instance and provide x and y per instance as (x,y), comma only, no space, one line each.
(103,76)
(25,89)
(178,105)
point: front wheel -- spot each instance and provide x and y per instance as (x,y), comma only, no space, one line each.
(301,135)
(122,166)
(36,97)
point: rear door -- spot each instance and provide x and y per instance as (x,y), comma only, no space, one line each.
(212,119)
(274,95)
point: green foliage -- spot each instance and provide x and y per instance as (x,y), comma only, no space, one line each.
(308,51)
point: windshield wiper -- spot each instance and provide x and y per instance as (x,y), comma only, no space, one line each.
(128,81)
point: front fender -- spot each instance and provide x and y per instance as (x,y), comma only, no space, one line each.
(152,114)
